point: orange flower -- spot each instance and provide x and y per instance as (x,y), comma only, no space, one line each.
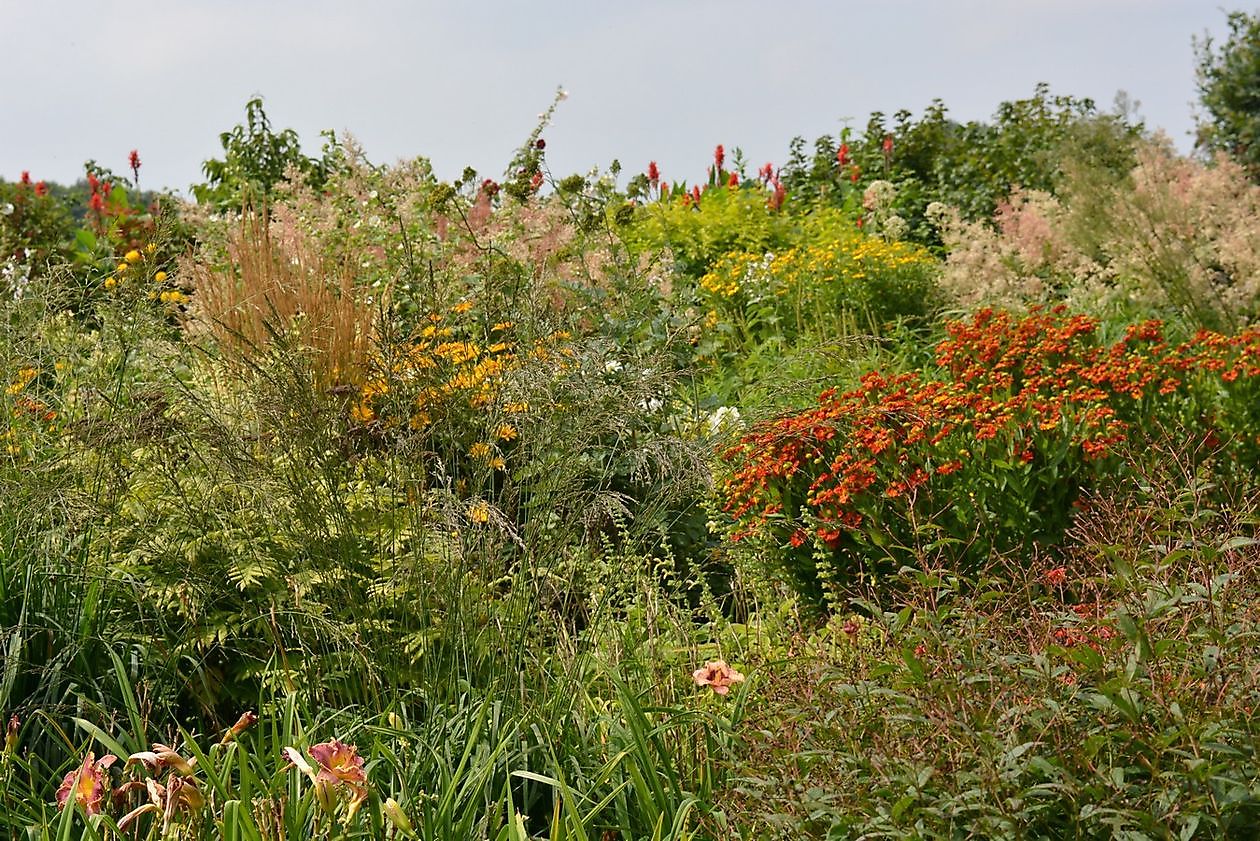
(87,784)
(718,676)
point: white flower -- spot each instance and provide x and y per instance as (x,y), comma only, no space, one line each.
(723,417)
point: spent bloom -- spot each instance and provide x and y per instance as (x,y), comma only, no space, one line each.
(87,785)
(718,676)
(133,160)
(247,720)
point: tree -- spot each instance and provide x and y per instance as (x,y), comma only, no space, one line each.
(1229,91)
(256,159)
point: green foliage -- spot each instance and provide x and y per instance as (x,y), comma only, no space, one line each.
(1101,691)
(1228,79)
(971,166)
(257,159)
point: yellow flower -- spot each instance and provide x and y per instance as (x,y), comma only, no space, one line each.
(133,256)
(479,512)
(506,432)
(516,408)
(160,277)
(502,325)
(498,463)
(480,451)
(463,306)
(120,268)
(111,282)
(151,247)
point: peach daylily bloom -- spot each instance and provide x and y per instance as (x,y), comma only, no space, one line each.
(718,676)
(339,763)
(87,785)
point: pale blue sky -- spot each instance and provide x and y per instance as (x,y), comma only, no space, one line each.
(462,83)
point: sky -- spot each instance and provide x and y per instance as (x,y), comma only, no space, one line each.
(462,83)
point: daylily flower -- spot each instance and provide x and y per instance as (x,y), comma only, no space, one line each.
(339,765)
(718,676)
(87,784)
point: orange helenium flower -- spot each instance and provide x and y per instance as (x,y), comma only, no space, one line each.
(718,676)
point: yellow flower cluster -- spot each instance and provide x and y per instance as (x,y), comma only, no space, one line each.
(856,258)
(452,362)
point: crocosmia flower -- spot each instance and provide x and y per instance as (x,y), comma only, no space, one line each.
(719,156)
(653,173)
(718,676)
(88,784)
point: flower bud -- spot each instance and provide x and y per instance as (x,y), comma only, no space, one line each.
(397,816)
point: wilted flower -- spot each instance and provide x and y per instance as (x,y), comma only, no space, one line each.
(718,676)
(161,756)
(178,794)
(11,735)
(247,720)
(87,784)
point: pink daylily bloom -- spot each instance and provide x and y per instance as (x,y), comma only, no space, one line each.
(718,676)
(88,784)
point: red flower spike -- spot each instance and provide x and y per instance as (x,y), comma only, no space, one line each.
(653,173)
(719,157)
(842,155)
(733,181)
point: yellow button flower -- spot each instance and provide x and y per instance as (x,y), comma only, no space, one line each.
(160,277)
(133,256)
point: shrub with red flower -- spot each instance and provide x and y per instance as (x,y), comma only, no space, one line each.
(988,449)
